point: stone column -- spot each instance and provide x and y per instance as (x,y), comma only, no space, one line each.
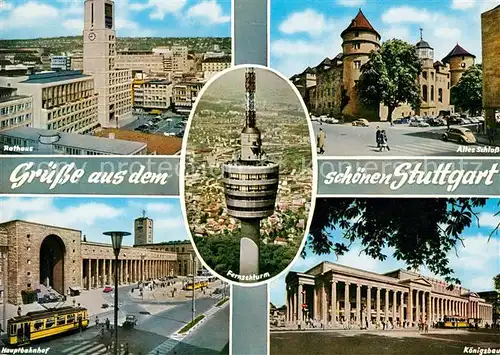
(295,314)
(287,307)
(358,305)
(409,306)
(334,303)
(423,306)
(394,306)
(369,305)
(347,310)
(401,308)
(89,274)
(315,301)
(378,305)
(386,305)
(324,303)
(417,307)
(300,314)
(429,309)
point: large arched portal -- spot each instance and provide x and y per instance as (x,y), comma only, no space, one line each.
(52,253)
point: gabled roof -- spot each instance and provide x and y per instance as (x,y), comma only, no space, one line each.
(309,70)
(360,22)
(417,280)
(457,52)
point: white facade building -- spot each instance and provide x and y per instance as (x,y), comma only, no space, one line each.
(99,53)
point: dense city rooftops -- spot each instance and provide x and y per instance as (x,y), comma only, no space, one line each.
(360,22)
(46,78)
(458,51)
(223,59)
(79,141)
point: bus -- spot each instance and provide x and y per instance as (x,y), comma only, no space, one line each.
(198,283)
(44,324)
(454,322)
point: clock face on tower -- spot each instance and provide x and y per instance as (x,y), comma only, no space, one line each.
(91,36)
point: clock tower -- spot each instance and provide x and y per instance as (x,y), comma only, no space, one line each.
(99,52)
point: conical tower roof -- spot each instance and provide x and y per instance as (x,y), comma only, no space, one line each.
(458,52)
(360,22)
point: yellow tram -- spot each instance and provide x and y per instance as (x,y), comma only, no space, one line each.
(455,322)
(198,284)
(44,324)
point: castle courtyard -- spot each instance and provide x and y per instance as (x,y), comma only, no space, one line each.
(403,140)
(361,342)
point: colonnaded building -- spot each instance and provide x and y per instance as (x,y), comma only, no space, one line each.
(329,88)
(333,293)
(62,258)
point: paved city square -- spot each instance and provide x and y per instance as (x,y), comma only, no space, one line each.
(345,139)
(340,342)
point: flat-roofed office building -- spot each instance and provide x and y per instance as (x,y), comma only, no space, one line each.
(64,101)
(26,140)
(152,94)
(15,110)
(185,93)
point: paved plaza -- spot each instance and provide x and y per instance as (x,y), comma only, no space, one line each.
(358,342)
(160,316)
(403,140)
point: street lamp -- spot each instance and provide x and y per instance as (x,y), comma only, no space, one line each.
(116,241)
(193,310)
(4,253)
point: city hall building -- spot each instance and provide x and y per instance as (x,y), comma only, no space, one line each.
(34,254)
(333,293)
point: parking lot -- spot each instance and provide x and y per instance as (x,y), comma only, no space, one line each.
(167,124)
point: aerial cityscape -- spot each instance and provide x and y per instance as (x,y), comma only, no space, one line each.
(441,101)
(383,288)
(164,299)
(99,93)
(217,139)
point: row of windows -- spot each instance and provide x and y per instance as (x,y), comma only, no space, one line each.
(249,209)
(72,124)
(64,90)
(254,188)
(252,198)
(86,106)
(4,111)
(16,120)
(247,177)
(425,92)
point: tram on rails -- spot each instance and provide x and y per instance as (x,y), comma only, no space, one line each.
(40,325)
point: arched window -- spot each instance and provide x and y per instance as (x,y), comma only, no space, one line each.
(440,95)
(424,93)
(432,92)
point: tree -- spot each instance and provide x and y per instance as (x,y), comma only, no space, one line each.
(421,231)
(390,76)
(467,95)
(496,280)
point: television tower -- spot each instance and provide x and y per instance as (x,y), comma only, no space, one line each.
(250,184)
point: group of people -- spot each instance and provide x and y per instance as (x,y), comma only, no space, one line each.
(381,139)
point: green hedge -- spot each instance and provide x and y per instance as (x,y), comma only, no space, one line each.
(191,324)
(221,302)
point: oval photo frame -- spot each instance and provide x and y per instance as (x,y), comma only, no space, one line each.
(229,177)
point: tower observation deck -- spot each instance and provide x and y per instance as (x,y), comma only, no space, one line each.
(250,183)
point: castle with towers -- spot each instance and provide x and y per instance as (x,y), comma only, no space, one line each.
(329,87)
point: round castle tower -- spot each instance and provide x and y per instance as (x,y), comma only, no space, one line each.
(459,60)
(358,40)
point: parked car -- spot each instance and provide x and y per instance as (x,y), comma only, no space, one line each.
(105,305)
(436,122)
(314,118)
(459,134)
(361,122)
(331,120)
(418,122)
(107,289)
(130,322)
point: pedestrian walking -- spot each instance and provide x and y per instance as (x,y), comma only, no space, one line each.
(377,136)
(383,141)
(321,141)
(448,121)
(126,351)
(19,312)
(107,323)
(96,321)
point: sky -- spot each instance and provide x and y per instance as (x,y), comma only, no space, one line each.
(93,216)
(475,266)
(304,33)
(134,18)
